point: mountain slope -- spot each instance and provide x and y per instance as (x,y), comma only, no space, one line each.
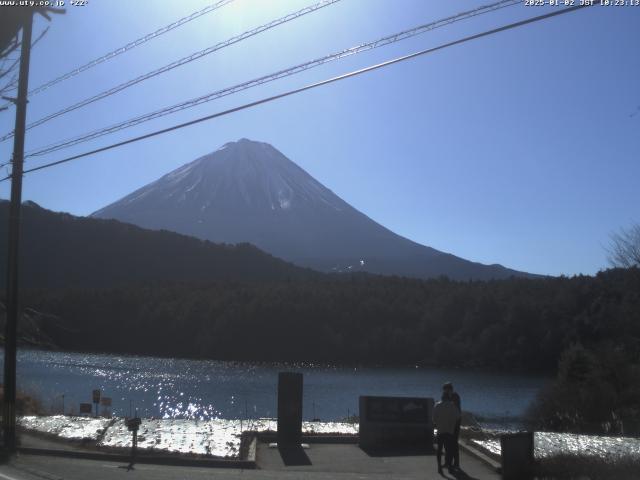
(248,191)
(60,250)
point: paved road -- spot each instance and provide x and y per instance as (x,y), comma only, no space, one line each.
(324,462)
(33,440)
(333,461)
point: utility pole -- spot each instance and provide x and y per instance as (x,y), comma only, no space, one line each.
(9,406)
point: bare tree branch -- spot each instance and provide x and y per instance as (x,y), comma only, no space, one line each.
(10,69)
(42,34)
(11,85)
(624,249)
(10,48)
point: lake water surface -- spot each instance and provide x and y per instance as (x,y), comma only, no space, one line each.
(201,389)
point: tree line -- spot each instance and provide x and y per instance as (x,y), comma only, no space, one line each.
(519,324)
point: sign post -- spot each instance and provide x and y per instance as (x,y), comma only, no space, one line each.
(96,399)
(133,424)
(106,406)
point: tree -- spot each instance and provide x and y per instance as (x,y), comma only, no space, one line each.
(624,250)
(11,20)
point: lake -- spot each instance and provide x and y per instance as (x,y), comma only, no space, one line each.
(206,389)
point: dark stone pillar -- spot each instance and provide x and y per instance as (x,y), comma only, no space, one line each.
(289,408)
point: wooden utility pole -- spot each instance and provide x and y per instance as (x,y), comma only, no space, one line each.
(9,406)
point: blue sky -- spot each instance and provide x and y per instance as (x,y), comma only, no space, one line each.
(521,148)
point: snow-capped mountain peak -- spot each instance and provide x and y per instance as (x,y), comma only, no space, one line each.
(248,191)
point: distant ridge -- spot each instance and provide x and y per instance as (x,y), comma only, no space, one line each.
(248,191)
(60,250)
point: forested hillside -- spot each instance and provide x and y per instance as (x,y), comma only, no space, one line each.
(59,250)
(519,324)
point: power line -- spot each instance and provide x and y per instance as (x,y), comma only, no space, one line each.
(130,45)
(271,77)
(179,63)
(125,48)
(309,87)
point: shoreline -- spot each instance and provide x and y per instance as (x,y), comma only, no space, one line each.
(548,374)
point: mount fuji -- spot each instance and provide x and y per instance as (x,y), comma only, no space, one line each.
(248,191)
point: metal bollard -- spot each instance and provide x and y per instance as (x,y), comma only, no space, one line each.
(517,456)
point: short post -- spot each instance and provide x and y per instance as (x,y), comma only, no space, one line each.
(517,455)
(289,408)
(96,400)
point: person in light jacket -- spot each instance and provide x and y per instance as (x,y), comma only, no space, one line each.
(445,418)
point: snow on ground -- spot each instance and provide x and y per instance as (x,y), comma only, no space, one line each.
(221,438)
(547,444)
(216,437)
(68,428)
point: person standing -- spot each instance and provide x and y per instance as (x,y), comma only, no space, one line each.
(455,398)
(445,417)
